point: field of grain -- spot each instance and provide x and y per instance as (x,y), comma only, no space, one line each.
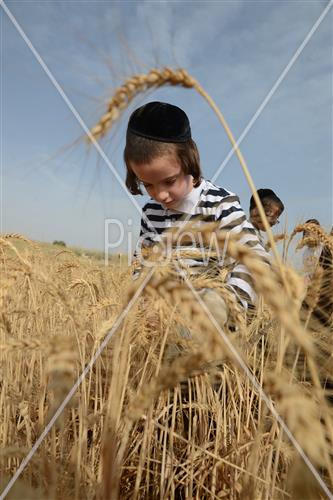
(160,414)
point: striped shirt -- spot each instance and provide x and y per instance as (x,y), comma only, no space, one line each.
(206,203)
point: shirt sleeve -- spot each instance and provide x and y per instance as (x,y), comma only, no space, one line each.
(232,218)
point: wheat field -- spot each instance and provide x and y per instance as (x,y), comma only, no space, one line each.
(171,407)
(160,414)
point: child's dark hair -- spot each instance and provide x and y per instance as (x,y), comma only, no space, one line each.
(312,221)
(141,150)
(267,196)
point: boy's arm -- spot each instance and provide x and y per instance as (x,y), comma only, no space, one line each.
(232,218)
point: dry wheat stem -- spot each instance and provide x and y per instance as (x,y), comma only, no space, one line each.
(26,265)
(219,460)
(313,292)
(18,236)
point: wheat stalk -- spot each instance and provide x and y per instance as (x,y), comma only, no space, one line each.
(277,237)
(26,265)
(18,236)
(301,414)
(313,292)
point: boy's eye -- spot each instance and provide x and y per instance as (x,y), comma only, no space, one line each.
(170,181)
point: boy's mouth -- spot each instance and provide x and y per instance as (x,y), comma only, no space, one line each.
(169,203)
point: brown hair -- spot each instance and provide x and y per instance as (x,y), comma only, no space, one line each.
(141,150)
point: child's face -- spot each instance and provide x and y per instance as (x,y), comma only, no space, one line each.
(164,180)
(272,213)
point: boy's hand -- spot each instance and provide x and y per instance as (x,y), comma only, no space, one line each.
(216,305)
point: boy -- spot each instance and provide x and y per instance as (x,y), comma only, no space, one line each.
(161,155)
(272,205)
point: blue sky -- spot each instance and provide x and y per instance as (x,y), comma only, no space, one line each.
(53,188)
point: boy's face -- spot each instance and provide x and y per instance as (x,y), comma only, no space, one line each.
(272,212)
(164,180)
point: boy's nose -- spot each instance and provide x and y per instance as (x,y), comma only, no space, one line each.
(161,196)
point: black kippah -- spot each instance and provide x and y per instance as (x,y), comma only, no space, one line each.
(266,193)
(160,121)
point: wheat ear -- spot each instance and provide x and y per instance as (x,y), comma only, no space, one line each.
(318,234)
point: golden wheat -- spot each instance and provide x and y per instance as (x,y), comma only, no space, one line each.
(317,234)
(141,425)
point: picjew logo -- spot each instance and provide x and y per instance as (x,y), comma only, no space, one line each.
(116,236)
(152,249)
